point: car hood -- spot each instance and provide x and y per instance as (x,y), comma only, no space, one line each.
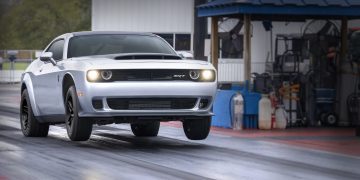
(106,63)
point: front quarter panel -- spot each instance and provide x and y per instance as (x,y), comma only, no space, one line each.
(77,71)
(26,79)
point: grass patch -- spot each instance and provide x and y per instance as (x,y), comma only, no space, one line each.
(18,65)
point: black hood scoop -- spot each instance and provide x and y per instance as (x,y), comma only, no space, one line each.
(146,56)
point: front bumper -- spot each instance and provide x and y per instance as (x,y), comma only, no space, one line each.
(102,91)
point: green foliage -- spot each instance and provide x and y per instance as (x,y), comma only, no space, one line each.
(17,65)
(32,24)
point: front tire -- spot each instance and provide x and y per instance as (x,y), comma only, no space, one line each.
(78,129)
(197,129)
(146,130)
(30,127)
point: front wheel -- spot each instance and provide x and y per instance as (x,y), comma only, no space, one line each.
(78,129)
(197,129)
(145,129)
(30,127)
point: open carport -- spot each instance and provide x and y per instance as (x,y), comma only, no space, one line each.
(270,11)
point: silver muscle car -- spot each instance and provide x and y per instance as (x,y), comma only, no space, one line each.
(86,78)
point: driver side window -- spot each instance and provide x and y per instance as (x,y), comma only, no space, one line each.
(57,48)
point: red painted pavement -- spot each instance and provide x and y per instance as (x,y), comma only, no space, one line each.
(337,140)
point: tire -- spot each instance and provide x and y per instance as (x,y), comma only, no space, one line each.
(78,129)
(331,119)
(150,129)
(197,129)
(30,127)
(323,116)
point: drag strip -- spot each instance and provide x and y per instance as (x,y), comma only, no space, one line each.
(114,153)
(161,157)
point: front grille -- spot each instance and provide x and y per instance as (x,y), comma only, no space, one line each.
(151,103)
(150,75)
(156,75)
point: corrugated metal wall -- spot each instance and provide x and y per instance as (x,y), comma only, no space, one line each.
(157,16)
(232,70)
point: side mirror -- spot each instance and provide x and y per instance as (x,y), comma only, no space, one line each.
(47,57)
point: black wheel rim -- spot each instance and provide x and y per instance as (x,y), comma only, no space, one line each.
(70,112)
(25,115)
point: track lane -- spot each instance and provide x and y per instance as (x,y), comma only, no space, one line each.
(114,153)
(139,152)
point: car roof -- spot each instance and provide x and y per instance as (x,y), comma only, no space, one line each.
(85,33)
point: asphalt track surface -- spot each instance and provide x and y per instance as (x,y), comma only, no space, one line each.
(113,152)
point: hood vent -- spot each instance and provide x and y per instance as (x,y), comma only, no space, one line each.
(129,57)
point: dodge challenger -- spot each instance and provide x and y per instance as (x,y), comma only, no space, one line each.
(87,78)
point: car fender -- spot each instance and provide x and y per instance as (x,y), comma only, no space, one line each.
(26,79)
(78,79)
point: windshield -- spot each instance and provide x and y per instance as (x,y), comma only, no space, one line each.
(90,45)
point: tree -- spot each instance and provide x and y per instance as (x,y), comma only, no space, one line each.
(32,24)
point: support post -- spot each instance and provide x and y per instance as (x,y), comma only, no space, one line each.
(199,32)
(214,42)
(341,93)
(247,47)
(344,42)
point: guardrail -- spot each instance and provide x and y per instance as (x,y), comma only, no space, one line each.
(10,76)
(14,62)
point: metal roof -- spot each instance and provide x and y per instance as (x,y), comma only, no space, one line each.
(305,8)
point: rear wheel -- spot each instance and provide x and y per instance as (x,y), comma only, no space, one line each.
(197,129)
(78,129)
(331,119)
(30,127)
(145,129)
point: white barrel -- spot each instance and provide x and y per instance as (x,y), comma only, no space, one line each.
(264,112)
(281,118)
(238,112)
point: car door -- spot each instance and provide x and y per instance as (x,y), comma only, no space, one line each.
(47,83)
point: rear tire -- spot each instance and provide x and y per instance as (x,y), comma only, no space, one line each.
(331,119)
(30,127)
(197,129)
(146,130)
(78,129)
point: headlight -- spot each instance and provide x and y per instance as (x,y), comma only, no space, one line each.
(106,75)
(194,74)
(207,75)
(93,75)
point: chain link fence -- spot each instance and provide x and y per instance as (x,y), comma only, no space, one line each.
(14,62)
